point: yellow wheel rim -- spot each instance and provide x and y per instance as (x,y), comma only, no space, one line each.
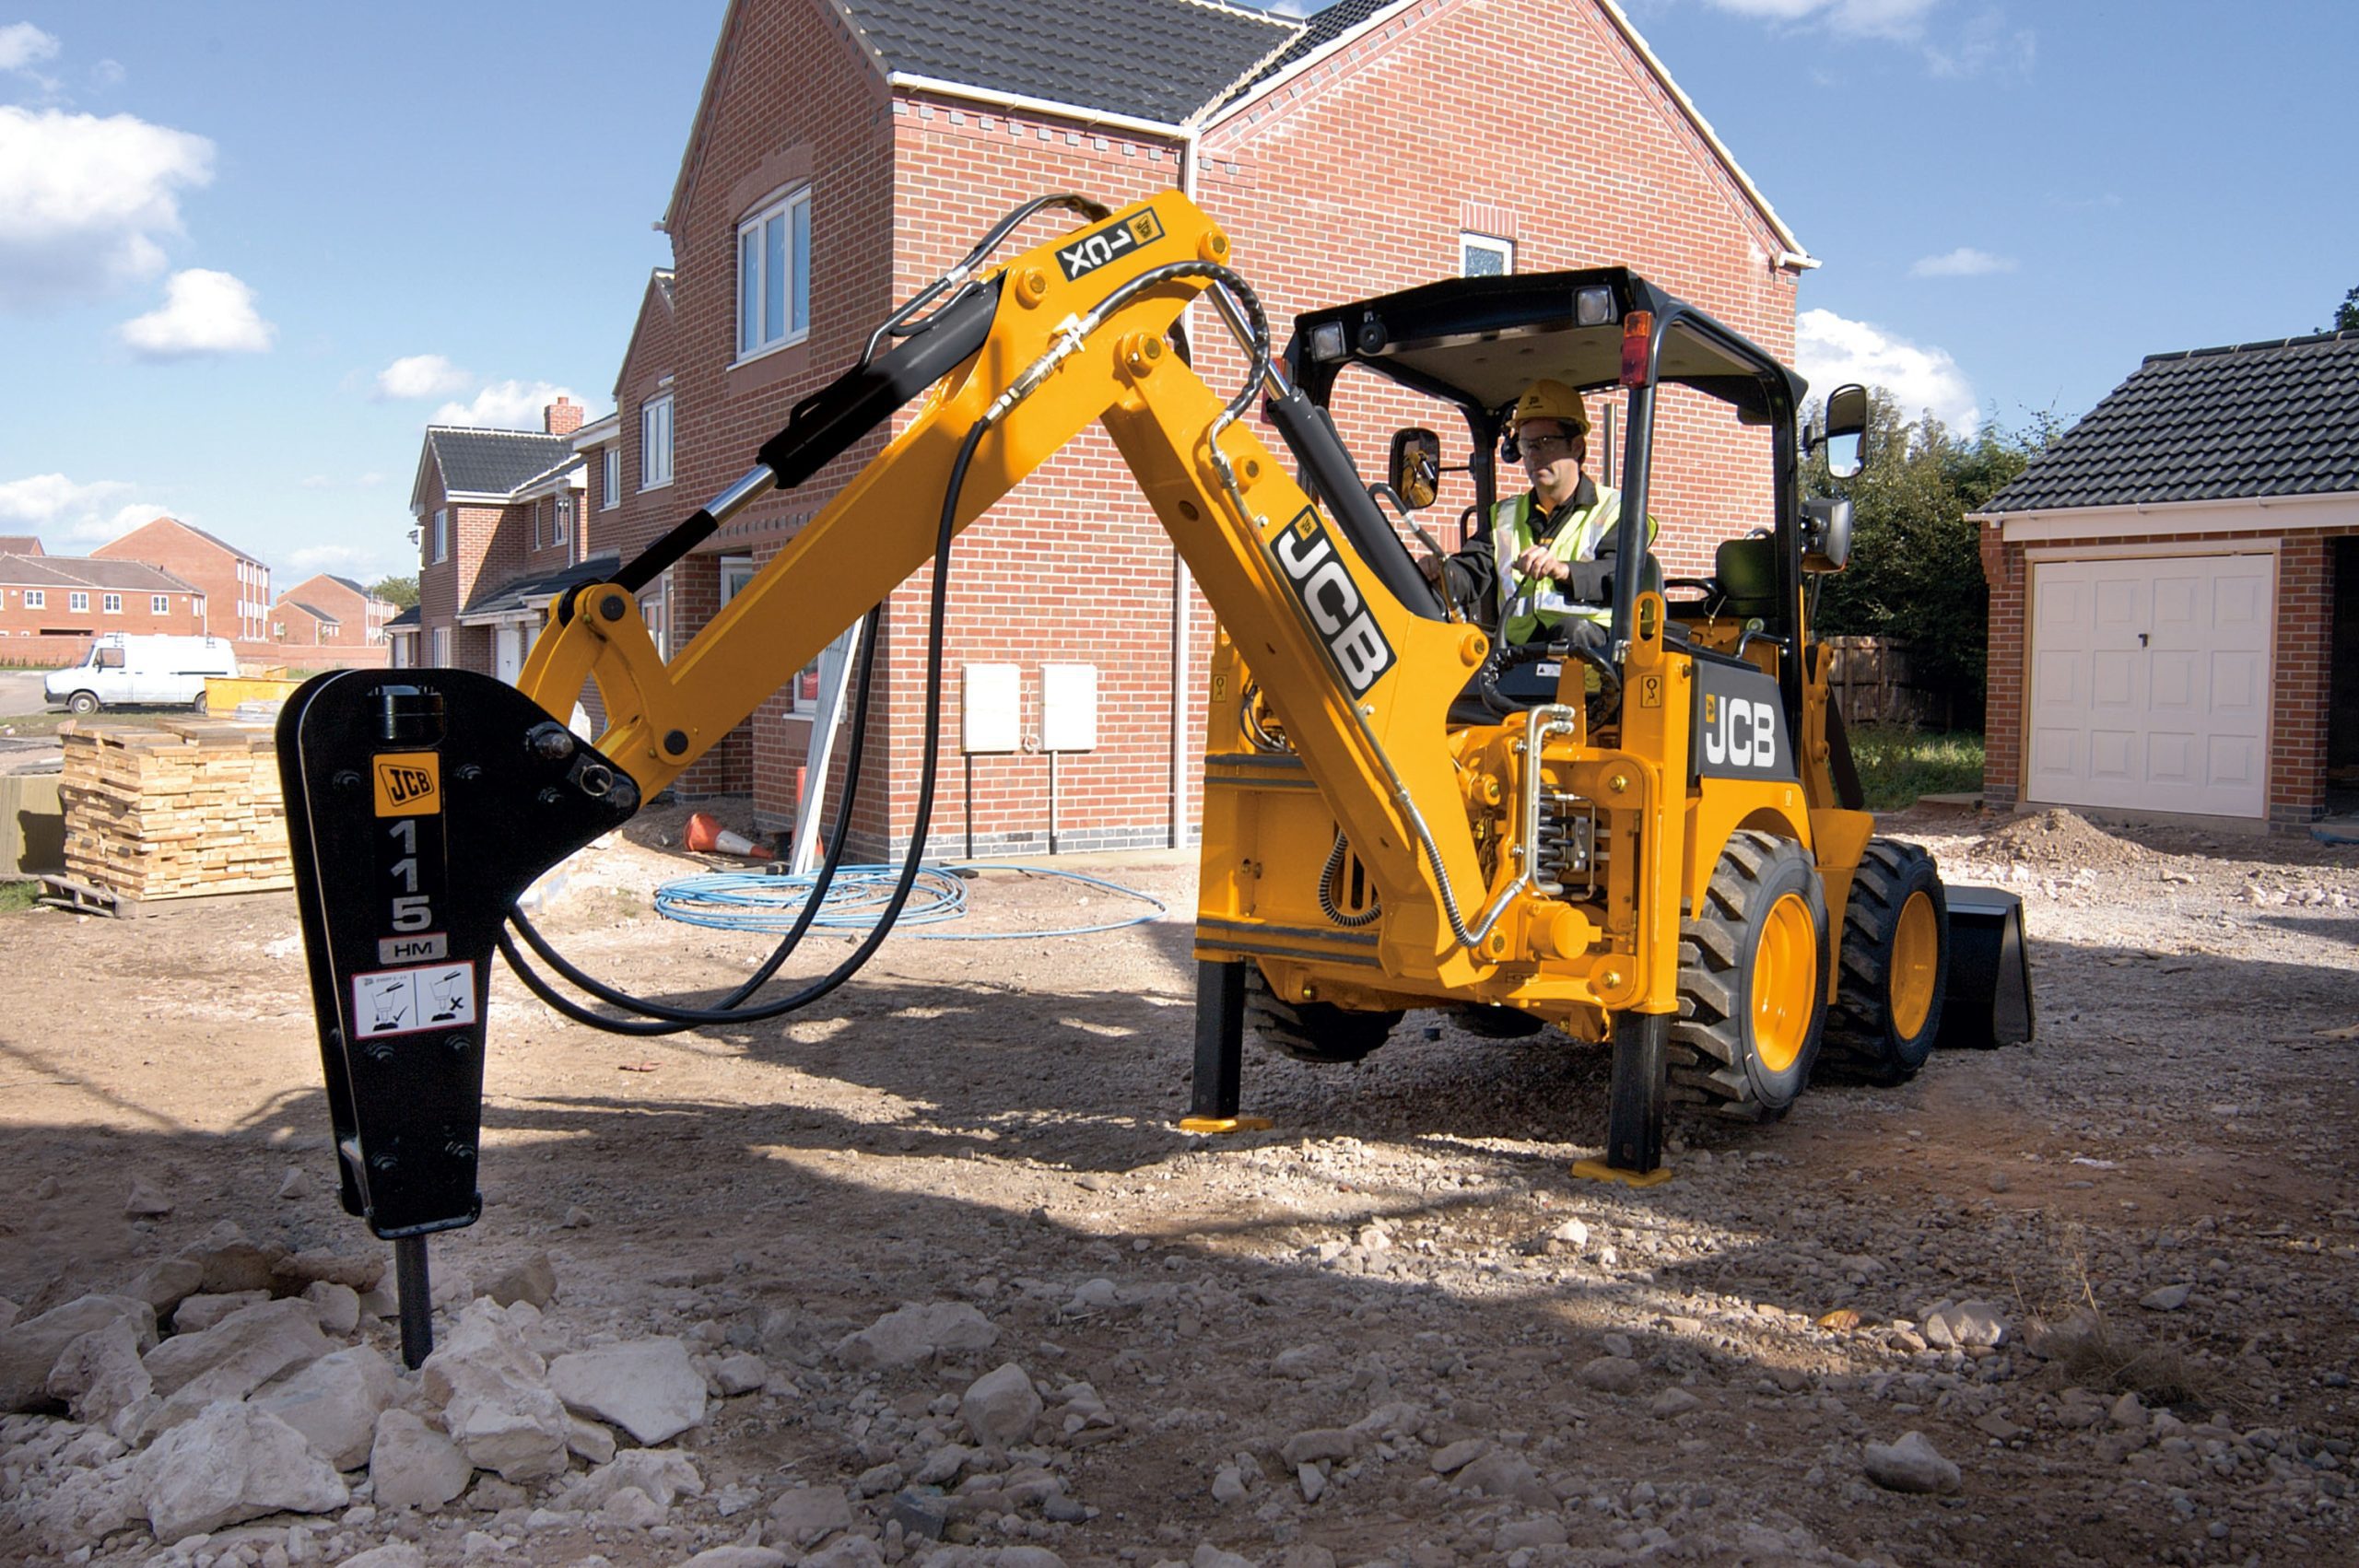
(1785,981)
(1916,960)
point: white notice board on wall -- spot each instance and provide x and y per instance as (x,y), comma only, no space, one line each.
(1068,708)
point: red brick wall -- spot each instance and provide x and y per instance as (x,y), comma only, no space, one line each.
(485,545)
(21,630)
(290,621)
(201,563)
(1358,180)
(2301,667)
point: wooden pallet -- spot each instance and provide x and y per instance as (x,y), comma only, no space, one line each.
(81,898)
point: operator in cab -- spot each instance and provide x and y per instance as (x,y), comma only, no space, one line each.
(1556,540)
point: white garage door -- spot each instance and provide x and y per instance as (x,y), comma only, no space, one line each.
(2150,684)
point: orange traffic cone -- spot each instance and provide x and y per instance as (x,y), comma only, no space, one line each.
(706,835)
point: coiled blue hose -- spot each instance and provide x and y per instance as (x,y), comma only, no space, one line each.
(758,901)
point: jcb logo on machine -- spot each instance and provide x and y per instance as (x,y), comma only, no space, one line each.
(1740,732)
(1093,251)
(1320,581)
(408,784)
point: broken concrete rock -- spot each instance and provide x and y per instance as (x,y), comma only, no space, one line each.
(1911,1465)
(910,1334)
(334,1403)
(197,1313)
(413,1466)
(663,1474)
(336,1307)
(647,1388)
(30,1347)
(232,1462)
(534,1280)
(495,1397)
(230,1262)
(100,1378)
(167,1283)
(809,1513)
(231,1359)
(1000,1406)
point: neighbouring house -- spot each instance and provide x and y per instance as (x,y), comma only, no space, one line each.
(359,615)
(402,639)
(236,585)
(293,621)
(19,544)
(846,152)
(52,606)
(2174,594)
(494,508)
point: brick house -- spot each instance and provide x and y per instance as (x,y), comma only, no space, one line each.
(359,614)
(292,621)
(52,606)
(2174,594)
(20,545)
(845,152)
(236,585)
(494,508)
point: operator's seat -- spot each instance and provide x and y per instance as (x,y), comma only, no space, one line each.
(1747,572)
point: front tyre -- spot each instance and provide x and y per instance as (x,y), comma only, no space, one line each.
(1316,1032)
(1894,968)
(83,703)
(1752,981)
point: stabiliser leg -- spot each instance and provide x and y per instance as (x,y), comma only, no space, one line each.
(1220,1051)
(420,804)
(1634,1116)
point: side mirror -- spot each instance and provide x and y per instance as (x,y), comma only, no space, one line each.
(1415,469)
(1827,535)
(1847,430)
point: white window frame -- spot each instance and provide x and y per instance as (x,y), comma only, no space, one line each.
(441,536)
(442,648)
(36,598)
(1471,244)
(802,693)
(159,603)
(111,603)
(78,604)
(651,611)
(561,520)
(654,421)
(774,279)
(610,477)
(736,572)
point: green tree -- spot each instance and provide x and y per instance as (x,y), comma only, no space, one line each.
(1916,571)
(2346,315)
(400,590)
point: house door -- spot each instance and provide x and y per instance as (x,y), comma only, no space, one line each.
(508,651)
(2150,684)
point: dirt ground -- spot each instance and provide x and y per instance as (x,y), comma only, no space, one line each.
(1690,1372)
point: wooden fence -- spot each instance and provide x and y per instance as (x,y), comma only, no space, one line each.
(1874,685)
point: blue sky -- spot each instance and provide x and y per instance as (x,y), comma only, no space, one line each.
(248,250)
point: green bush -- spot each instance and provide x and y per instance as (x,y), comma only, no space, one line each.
(1899,764)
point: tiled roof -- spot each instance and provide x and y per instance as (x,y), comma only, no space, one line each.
(1160,60)
(494,461)
(2212,424)
(347,582)
(1319,29)
(409,620)
(90,571)
(524,593)
(318,615)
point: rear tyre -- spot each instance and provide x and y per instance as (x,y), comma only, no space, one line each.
(83,703)
(1894,968)
(1752,981)
(1312,1031)
(201,706)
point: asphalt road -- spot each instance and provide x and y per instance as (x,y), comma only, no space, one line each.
(20,691)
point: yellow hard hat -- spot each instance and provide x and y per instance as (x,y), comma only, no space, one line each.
(1551,400)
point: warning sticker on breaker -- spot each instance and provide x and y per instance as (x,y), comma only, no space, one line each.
(403,1001)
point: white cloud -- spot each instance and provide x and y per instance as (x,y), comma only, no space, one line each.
(107,73)
(1856,18)
(54,505)
(83,201)
(1830,350)
(423,375)
(23,44)
(1964,262)
(505,405)
(204,312)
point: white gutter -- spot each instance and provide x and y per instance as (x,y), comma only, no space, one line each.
(2227,514)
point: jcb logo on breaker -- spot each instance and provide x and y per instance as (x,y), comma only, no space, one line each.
(1091,251)
(408,784)
(1319,579)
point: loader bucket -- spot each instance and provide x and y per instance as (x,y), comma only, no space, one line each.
(1988,1001)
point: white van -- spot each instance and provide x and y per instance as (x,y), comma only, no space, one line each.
(124,668)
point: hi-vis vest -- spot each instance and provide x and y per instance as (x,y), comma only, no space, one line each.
(1584,530)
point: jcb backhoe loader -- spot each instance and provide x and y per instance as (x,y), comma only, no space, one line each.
(1655,844)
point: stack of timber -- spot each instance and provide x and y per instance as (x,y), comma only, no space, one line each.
(187,808)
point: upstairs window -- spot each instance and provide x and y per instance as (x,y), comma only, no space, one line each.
(36,598)
(79,604)
(159,603)
(655,442)
(610,475)
(1482,255)
(563,527)
(111,603)
(442,536)
(774,275)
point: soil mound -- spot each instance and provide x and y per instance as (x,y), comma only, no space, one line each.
(2060,839)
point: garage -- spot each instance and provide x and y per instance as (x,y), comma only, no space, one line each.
(2175,596)
(2150,683)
